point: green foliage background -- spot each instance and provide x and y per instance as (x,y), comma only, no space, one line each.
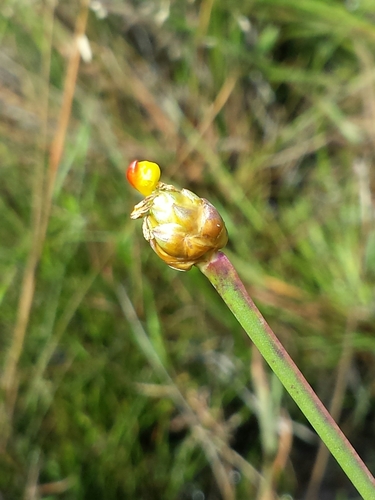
(132,380)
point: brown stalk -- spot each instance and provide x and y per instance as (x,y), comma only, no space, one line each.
(58,142)
(214,109)
(127,79)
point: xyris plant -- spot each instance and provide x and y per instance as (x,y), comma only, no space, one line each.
(185,230)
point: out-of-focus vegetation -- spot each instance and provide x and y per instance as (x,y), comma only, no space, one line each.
(124,379)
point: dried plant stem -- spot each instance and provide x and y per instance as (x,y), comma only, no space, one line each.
(225,279)
(66,105)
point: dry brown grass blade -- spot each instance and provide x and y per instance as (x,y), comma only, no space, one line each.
(66,105)
(214,109)
(56,487)
(267,424)
(272,471)
(334,409)
(127,79)
(219,470)
(41,210)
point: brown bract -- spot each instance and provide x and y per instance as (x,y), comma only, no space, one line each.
(181,228)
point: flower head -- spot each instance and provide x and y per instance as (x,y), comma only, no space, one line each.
(181,228)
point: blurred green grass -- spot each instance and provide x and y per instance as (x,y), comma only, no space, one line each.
(133,381)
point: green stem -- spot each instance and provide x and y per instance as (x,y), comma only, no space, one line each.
(225,279)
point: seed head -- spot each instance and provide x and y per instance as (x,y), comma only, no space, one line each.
(181,228)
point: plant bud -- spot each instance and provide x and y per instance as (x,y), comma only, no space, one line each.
(181,228)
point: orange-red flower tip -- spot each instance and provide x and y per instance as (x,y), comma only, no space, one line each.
(143,176)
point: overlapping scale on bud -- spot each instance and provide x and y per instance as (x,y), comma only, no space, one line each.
(181,228)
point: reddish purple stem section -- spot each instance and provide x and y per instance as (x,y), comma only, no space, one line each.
(225,279)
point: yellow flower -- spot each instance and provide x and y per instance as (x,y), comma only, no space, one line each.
(181,228)
(143,176)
